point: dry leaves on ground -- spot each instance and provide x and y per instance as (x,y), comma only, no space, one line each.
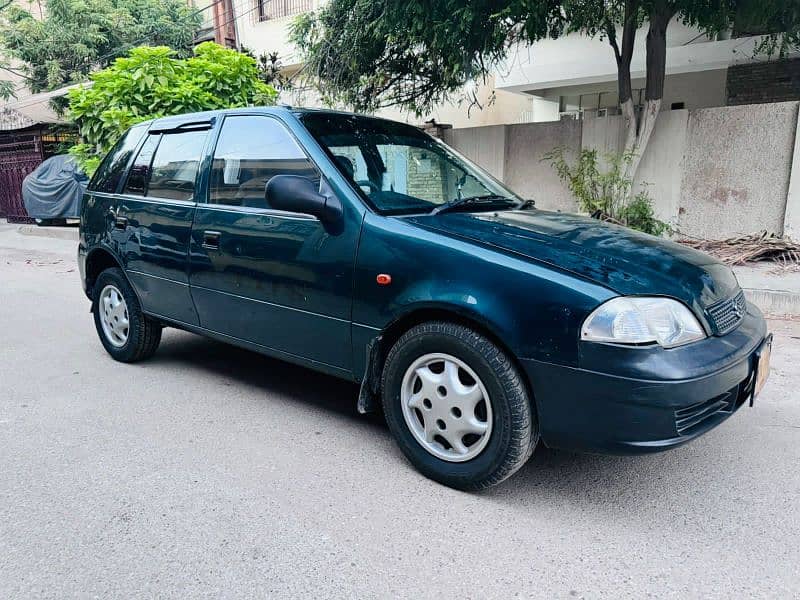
(751,248)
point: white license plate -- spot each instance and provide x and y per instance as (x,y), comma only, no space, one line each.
(762,366)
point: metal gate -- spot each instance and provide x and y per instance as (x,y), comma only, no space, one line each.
(19,155)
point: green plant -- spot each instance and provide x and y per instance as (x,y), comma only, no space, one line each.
(270,69)
(604,191)
(151,83)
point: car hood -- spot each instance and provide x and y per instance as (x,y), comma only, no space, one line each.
(624,260)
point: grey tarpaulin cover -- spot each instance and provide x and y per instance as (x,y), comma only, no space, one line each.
(54,189)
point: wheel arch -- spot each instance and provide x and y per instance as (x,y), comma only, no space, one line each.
(98,260)
(369,397)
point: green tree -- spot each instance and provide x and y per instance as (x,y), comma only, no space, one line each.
(77,37)
(417,53)
(153,82)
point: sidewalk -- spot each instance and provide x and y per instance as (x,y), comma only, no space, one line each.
(775,293)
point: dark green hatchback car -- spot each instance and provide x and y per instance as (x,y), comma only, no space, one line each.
(366,249)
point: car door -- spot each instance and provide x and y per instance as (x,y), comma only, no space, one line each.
(155,213)
(268,277)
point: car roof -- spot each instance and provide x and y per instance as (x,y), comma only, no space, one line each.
(176,121)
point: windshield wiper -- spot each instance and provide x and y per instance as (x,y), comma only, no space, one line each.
(459,202)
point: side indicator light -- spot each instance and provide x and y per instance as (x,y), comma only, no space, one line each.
(383,279)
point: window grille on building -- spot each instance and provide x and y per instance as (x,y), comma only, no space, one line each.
(275,9)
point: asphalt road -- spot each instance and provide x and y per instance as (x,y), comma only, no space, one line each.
(214,472)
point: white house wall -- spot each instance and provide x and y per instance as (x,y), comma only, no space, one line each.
(712,173)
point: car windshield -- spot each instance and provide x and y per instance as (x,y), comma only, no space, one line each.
(401,170)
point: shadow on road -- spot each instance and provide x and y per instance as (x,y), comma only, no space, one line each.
(275,377)
(550,475)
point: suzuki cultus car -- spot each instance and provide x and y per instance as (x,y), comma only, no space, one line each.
(368,250)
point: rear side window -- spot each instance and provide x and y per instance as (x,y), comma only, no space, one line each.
(175,165)
(249,152)
(166,166)
(140,170)
(112,169)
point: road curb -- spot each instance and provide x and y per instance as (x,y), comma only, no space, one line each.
(61,233)
(776,303)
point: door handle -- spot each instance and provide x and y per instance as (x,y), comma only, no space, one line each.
(211,240)
(120,222)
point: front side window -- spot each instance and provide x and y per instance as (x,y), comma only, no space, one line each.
(399,169)
(249,152)
(110,172)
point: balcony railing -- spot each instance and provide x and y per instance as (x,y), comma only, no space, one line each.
(275,9)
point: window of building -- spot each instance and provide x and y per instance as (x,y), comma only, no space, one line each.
(275,9)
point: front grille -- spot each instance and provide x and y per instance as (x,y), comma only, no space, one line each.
(726,315)
(687,419)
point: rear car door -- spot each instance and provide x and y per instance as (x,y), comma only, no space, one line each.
(265,276)
(155,213)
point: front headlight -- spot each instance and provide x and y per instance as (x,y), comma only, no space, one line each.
(641,320)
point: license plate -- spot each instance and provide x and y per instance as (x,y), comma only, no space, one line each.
(762,365)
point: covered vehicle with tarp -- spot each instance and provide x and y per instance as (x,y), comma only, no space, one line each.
(54,190)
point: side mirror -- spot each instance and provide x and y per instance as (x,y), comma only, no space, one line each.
(298,194)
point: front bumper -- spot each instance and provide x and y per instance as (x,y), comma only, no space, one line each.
(625,400)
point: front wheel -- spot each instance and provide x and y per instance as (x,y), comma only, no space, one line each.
(457,406)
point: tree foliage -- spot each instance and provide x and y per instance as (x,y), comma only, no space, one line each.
(374,53)
(370,54)
(152,82)
(416,53)
(76,37)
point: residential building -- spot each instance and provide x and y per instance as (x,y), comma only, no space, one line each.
(219,22)
(577,74)
(567,77)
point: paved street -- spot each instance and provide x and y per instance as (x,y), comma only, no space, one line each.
(209,471)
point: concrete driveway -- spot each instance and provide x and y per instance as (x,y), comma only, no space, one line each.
(209,471)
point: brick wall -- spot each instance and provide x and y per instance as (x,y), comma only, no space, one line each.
(425,176)
(756,83)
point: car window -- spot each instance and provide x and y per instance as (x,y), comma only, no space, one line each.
(174,168)
(111,170)
(140,169)
(249,152)
(351,161)
(404,170)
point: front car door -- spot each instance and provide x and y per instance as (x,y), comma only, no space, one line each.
(264,276)
(155,213)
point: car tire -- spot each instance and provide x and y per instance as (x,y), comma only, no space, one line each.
(142,334)
(476,367)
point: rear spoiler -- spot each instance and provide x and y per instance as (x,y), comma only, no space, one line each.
(200,125)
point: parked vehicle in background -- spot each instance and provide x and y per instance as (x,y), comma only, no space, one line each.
(368,250)
(52,192)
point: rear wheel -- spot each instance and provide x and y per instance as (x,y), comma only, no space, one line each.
(126,333)
(457,406)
